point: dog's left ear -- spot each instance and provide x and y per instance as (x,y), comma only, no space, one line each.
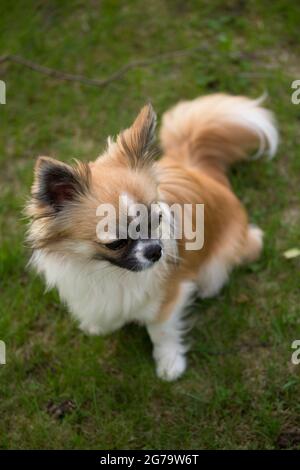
(57,183)
(136,142)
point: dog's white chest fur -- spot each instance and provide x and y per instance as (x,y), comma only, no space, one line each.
(100,296)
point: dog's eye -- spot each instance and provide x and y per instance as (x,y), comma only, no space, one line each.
(117,244)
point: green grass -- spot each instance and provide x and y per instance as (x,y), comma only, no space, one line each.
(240,390)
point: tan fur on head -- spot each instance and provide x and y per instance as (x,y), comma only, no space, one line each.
(65,198)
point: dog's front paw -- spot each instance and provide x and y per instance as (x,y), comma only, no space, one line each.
(170,365)
(90,329)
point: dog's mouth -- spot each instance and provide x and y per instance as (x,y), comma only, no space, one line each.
(135,256)
(137,268)
(135,264)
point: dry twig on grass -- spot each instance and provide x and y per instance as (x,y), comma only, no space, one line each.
(92,81)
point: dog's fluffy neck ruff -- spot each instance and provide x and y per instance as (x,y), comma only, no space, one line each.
(100,296)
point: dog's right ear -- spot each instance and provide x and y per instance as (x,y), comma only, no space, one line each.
(56,183)
(136,142)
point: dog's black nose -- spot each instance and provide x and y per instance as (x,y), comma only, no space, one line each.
(153,252)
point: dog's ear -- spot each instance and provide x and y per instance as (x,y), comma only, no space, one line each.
(136,142)
(57,183)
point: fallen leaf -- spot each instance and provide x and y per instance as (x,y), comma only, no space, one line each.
(288,439)
(242,299)
(59,410)
(292,253)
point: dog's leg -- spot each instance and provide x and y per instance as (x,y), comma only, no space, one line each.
(167,334)
(212,278)
(254,243)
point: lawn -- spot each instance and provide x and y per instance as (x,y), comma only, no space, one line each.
(62,389)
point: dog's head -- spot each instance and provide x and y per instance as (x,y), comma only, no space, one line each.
(69,202)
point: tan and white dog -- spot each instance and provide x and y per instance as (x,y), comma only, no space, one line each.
(106,284)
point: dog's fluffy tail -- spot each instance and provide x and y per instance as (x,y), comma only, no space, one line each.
(218,130)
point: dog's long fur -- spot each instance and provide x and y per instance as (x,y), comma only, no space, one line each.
(104,289)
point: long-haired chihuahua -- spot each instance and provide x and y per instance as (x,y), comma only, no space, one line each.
(109,279)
